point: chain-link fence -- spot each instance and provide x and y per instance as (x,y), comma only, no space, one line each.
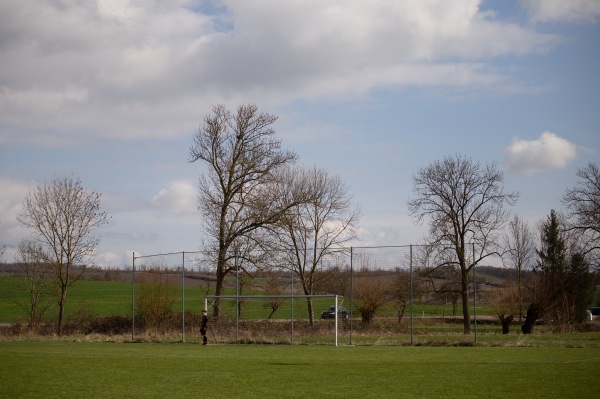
(382,291)
(396,294)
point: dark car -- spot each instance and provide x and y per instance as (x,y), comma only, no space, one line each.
(330,313)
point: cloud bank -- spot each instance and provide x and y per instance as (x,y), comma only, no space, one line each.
(152,65)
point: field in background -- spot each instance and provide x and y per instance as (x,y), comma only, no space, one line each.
(433,324)
(108,298)
(53,368)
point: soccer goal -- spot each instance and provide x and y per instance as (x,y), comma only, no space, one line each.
(283,319)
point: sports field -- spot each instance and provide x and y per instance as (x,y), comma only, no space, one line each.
(52,368)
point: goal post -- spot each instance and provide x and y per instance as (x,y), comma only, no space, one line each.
(267,318)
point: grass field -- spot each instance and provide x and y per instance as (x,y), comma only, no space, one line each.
(107,298)
(63,368)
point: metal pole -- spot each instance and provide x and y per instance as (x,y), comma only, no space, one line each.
(474,295)
(133,296)
(183,297)
(292,293)
(351,292)
(336,321)
(237,298)
(411,293)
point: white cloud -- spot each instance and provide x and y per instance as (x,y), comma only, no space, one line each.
(107,259)
(177,199)
(549,151)
(563,10)
(135,69)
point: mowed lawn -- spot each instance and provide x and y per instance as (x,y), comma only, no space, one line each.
(66,369)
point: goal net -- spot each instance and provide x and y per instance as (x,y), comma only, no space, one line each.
(276,319)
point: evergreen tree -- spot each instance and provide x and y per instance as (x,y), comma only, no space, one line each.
(566,283)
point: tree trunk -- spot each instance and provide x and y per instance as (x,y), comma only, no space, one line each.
(220,281)
(533,314)
(310,310)
(506,320)
(465,304)
(401,310)
(61,308)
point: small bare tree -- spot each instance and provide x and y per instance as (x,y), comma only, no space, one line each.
(506,303)
(401,294)
(372,289)
(519,252)
(463,202)
(38,282)
(63,217)
(156,293)
(312,232)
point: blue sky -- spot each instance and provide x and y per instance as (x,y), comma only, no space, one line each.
(112,92)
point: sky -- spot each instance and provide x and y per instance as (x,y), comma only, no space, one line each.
(112,92)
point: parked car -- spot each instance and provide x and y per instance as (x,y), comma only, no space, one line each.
(330,313)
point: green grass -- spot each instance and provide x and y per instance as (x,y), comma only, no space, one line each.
(60,368)
(102,298)
(107,298)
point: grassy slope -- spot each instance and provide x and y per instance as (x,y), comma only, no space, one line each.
(53,369)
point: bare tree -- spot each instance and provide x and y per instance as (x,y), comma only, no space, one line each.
(583,205)
(63,217)
(155,296)
(464,204)
(506,303)
(519,251)
(241,191)
(373,288)
(38,281)
(313,232)
(402,293)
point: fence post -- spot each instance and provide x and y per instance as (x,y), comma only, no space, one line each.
(474,295)
(292,293)
(351,292)
(336,321)
(237,297)
(411,293)
(133,296)
(183,297)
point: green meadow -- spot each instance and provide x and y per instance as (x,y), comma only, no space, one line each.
(108,298)
(62,368)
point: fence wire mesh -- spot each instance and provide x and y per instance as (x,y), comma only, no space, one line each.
(384,290)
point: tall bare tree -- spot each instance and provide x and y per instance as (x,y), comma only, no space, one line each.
(583,206)
(242,190)
(463,202)
(313,231)
(519,250)
(63,217)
